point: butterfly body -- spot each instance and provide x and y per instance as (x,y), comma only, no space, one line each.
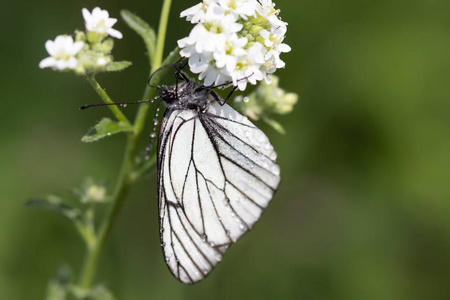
(217,173)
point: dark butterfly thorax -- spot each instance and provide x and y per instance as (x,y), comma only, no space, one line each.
(187,95)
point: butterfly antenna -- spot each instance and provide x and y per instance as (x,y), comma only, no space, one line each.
(159,69)
(149,148)
(123,104)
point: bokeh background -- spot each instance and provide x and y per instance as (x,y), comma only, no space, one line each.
(363,208)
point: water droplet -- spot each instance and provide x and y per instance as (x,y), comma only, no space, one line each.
(212,244)
(242,227)
(204,237)
(169,255)
(163,244)
(228,233)
(196,273)
(155,122)
(124,105)
(218,257)
(205,272)
(247,133)
(167,259)
(246,99)
(152,135)
(109,133)
(172,244)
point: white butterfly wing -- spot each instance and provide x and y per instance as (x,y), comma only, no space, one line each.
(217,172)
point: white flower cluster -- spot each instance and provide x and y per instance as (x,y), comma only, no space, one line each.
(238,41)
(64,52)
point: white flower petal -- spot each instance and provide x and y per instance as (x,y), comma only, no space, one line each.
(61,64)
(50,47)
(47,62)
(283,48)
(114,33)
(86,15)
(72,63)
(77,46)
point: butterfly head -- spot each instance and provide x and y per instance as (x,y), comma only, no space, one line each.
(186,95)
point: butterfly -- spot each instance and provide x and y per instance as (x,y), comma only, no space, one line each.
(217,173)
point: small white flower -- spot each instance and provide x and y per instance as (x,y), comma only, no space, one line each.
(238,41)
(101,61)
(62,53)
(100,22)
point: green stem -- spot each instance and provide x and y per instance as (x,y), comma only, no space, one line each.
(105,97)
(125,179)
(162,29)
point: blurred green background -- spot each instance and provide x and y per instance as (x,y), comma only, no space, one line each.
(363,208)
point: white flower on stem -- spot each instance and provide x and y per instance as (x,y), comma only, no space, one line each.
(62,53)
(99,21)
(238,41)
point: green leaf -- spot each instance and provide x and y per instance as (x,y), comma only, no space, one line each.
(275,125)
(142,28)
(104,128)
(58,287)
(55,203)
(118,66)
